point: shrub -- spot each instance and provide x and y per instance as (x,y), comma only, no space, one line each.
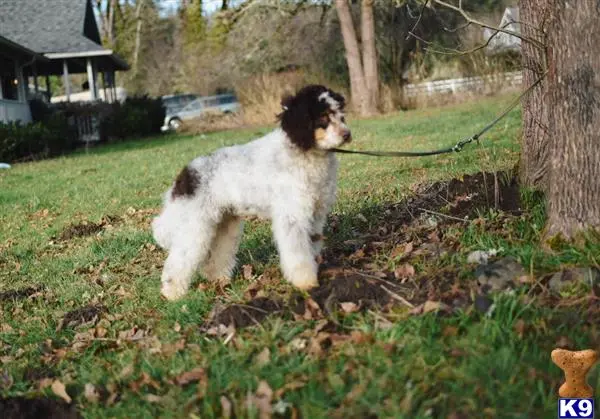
(48,135)
(137,117)
(20,142)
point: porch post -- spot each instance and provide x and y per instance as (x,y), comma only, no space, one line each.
(92,80)
(48,88)
(21,92)
(66,80)
(35,80)
(106,98)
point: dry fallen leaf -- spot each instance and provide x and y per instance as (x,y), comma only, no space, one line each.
(59,389)
(450,331)
(226,406)
(520,328)
(6,328)
(402,251)
(153,398)
(177,327)
(292,385)
(196,374)
(262,400)
(90,393)
(6,380)
(263,358)
(404,271)
(247,272)
(433,306)
(126,372)
(349,307)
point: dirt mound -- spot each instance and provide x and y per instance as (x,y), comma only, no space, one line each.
(82,315)
(19,294)
(351,288)
(35,408)
(248,314)
(463,197)
(87,228)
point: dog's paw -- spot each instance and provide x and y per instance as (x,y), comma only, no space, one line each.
(304,277)
(172,291)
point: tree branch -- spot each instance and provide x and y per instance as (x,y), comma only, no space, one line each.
(469,19)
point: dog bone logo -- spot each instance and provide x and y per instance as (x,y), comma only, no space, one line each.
(576,365)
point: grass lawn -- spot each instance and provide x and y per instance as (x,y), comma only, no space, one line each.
(76,230)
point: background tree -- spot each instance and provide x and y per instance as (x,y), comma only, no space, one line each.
(561,140)
(364,77)
(574,100)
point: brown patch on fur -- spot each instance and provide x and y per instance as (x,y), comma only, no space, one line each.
(186,183)
(320,134)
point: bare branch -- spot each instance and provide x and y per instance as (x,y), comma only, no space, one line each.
(418,19)
(469,19)
(452,51)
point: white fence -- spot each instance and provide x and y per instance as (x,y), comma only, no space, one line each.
(483,84)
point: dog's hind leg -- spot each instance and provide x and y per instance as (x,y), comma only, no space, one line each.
(295,251)
(222,260)
(188,250)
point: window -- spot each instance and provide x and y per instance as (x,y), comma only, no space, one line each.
(8,80)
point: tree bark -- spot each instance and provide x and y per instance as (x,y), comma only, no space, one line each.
(535,149)
(574,188)
(358,88)
(138,35)
(369,54)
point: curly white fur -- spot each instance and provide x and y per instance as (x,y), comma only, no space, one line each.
(269,178)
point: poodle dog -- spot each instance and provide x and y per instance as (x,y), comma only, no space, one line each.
(288,177)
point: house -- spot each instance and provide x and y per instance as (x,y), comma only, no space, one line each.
(13,96)
(503,42)
(61,38)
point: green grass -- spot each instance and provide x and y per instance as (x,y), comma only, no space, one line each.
(417,367)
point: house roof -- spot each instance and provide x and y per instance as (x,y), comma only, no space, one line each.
(59,29)
(50,25)
(15,49)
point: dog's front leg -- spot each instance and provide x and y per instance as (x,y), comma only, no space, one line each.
(316,236)
(292,235)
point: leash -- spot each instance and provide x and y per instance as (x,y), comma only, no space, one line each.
(455,148)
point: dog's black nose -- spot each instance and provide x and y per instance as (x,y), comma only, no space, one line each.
(347,136)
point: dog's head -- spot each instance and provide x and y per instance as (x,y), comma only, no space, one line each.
(314,118)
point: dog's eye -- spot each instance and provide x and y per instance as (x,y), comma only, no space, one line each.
(343,119)
(323,121)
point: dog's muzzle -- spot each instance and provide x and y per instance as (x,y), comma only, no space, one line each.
(347,136)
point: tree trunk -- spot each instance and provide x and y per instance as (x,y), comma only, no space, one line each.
(138,35)
(358,88)
(369,54)
(535,150)
(574,188)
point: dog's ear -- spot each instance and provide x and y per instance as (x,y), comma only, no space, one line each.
(339,99)
(297,121)
(286,102)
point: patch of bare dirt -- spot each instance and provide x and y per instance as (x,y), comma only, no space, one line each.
(83,315)
(35,408)
(19,294)
(352,288)
(34,374)
(463,197)
(87,228)
(247,314)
